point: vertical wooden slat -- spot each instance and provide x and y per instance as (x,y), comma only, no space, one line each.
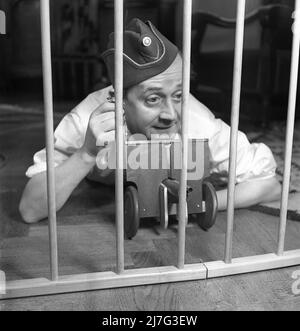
(118,10)
(289,130)
(48,101)
(187,28)
(236,95)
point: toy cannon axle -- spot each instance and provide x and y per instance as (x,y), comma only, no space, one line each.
(173,190)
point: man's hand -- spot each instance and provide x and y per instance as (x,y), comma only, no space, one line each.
(101,129)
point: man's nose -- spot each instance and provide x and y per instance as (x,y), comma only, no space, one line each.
(169,112)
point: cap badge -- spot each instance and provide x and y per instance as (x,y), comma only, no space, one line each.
(147,41)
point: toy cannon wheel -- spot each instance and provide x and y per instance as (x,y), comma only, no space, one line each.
(131,212)
(208,219)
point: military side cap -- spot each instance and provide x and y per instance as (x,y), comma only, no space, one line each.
(146,54)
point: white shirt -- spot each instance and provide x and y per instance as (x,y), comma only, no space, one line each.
(254,161)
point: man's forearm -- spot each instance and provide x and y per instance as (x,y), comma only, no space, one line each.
(251,193)
(33,205)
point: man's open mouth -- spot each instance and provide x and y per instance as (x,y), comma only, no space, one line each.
(165,128)
(169,132)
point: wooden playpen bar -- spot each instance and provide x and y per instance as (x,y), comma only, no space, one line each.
(181,272)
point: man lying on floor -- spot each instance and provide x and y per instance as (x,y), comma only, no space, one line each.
(152,105)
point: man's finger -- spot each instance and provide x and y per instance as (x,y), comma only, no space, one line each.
(104,108)
(105,138)
(107,125)
(104,117)
(100,122)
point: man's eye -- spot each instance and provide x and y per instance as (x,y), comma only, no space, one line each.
(153,100)
(178,96)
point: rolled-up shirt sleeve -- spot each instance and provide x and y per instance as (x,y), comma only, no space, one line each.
(68,138)
(254,161)
(70,133)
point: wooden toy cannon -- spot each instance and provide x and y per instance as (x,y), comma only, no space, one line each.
(152,183)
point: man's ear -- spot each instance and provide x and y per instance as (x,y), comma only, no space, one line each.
(111,97)
(111,93)
(125,99)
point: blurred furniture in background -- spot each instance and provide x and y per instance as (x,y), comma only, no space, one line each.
(79,34)
(75,76)
(75,46)
(21,46)
(262,68)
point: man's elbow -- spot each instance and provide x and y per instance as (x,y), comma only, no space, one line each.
(273,190)
(28,213)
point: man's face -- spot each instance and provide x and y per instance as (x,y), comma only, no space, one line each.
(153,107)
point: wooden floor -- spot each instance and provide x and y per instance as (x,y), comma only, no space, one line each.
(87,244)
(89,247)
